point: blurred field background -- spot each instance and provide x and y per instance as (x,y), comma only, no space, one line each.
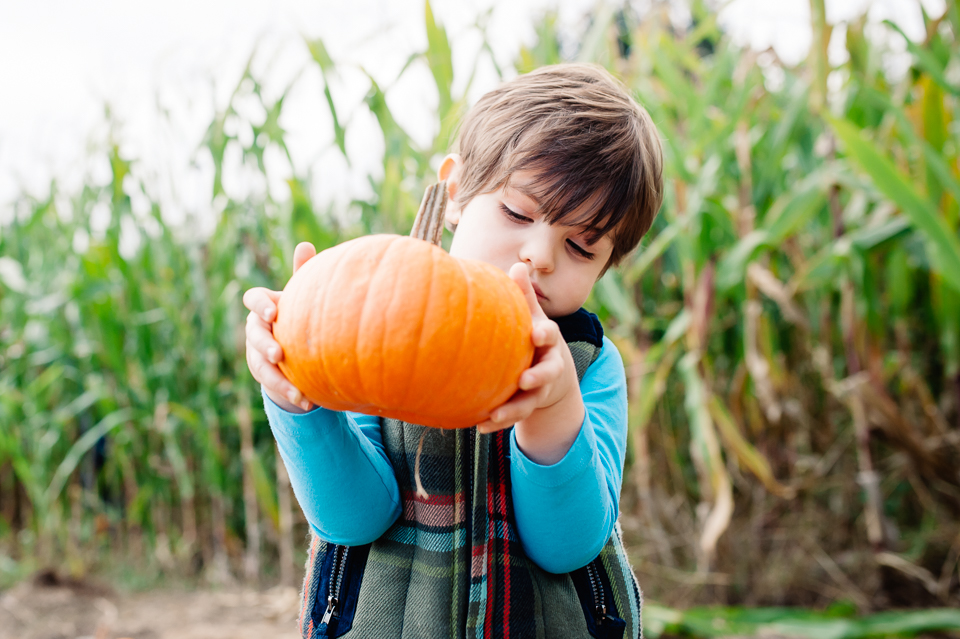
(790,327)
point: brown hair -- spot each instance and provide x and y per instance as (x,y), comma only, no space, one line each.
(590,144)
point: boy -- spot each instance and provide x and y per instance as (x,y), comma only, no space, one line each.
(556,178)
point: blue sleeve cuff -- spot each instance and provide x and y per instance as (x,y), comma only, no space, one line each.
(289,422)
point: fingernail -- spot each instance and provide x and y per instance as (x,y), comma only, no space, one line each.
(268,313)
(274,354)
(305,405)
(294,397)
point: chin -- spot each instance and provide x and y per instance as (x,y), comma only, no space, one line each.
(550,311)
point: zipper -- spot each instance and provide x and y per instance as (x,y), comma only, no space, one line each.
(336,582)
(600,608)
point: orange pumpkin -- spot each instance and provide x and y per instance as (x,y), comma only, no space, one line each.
(394,326)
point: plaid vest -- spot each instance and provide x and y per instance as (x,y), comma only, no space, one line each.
(452,564)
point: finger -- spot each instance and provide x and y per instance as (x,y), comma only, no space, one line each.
(518,273)
(263,302)
(260,338)
(545,333)
(489,427)
(547,370)
(303,252)
(518,408)
(273,379)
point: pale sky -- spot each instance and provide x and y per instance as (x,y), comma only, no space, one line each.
(62,60)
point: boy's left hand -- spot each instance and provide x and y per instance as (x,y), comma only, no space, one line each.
(551,381)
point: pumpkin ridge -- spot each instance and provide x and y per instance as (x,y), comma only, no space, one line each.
(294,306)
(304,309)
(514,319)
(456,403)
(388,394)
(452,285)
(334,379)
(523,318)
(376,399)
(312,311)
(444,389)
(423,314)
(504,327)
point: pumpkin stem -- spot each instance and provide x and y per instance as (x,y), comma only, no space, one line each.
(428,225)
(421,493)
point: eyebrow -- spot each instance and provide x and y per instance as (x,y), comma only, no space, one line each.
(523,189)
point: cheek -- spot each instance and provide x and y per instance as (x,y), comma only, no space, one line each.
(582,282)
(474,242)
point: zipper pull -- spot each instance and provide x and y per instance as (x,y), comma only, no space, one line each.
(331,606)
(601,614)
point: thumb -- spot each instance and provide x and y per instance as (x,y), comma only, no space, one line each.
(518,273)
(303,252)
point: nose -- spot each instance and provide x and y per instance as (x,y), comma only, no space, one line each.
(536,252)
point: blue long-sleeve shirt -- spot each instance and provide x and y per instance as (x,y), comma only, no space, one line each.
(564,512)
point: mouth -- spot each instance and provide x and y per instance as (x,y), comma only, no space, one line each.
(536,289)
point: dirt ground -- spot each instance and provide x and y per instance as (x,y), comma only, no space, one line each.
(58,610)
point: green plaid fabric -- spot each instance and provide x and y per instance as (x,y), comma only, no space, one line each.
(452,565)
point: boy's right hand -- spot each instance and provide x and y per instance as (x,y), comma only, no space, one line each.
(263,352)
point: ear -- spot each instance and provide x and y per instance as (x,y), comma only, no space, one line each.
(449,171)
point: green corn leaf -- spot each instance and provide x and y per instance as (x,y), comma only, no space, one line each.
(81,446)
(942,243)
(677,328)
(871,236)
(947,308)
(595,46)
(900,288)
(731,270)
(651,253)
(440,60)
(611,294)
(79,404)
(715,621)
(936,162)
(926,60)
(789,214)
(319,53)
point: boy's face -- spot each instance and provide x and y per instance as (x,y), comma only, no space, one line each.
(504,227)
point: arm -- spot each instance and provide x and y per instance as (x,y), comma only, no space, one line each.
(339,471)
(566,511)
(336,461)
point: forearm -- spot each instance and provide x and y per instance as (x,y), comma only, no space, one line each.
(566,510)
(339,473)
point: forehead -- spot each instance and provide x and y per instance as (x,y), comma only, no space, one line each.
(545,197)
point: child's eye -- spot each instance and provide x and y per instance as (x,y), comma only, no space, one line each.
(580,251)
(513,215)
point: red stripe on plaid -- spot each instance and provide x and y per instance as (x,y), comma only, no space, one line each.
(436,510)
(433,500)
(491,536)
(506,534)
(476,563)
